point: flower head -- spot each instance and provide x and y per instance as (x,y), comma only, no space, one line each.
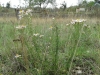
(67,24)
(51,27)
(21,12)
(20,27)
(53,18)
(72,22)
(29,12)
(77,21)
(41,36)
(17,56)
(20,16)
(79,71)
(37,34)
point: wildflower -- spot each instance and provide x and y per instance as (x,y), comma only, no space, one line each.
(79,71)
(51,27)
(20,16)
(32,45)
(17,56)
(88,51)
(37,70)
(48,46)
(85,25)
(29,12)
(78,21)
(72,22)
(20,27)
(41,36)
(26,13)
(78,67)
(53,18)
(37,34)
(67,24)
(21,12)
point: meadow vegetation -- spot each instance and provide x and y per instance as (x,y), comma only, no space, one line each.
(49,46)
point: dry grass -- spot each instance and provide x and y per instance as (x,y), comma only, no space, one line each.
(48,20)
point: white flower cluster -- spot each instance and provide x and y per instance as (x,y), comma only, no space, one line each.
(29,12)
(37,34)
(23,13)
(77,21)
(17,56)
(20,27)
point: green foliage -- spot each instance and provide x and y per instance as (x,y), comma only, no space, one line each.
(8,5)
(64,6)
(91,4)
(48,47)
(0,8)
(87,4)
(39,2)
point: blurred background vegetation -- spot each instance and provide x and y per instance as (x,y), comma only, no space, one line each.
(85,8)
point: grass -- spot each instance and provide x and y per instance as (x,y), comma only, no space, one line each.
(49,47)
